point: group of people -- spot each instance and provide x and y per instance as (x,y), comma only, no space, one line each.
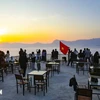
(54,54)
(2,59)
(83,55)
(23,59)
(5,60)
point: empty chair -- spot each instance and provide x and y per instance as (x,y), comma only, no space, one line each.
(9,67)
(58,66)
(16,65)
(20,81)
(64,60)
(40,83)
(46,78)
(50,69)
(95,71)
(83,94)
(79,67)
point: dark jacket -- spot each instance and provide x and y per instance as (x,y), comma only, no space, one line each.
(23,60)
(73,83)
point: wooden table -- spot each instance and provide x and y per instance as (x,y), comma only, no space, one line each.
(35,72)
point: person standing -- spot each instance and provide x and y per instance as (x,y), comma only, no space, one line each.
(71,58)
(52,54)
(23,61)
(33,61)
(56,54)
(7,56)
(75,54)
(96,58)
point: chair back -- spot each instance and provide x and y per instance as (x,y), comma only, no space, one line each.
(48,66)
(83,94)
(48,61)
(21,71)
(38,77)
(48,72)
(81,62)
(64,58)
(95,71)
(18,78)
(58,61)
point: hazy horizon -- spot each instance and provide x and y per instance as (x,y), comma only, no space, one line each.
(15,51)
(49,42)
(92,44)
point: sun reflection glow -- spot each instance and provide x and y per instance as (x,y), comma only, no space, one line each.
(3,31)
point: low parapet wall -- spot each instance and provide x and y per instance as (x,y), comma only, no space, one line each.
(48,57)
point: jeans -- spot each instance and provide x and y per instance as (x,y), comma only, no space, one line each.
(33,65)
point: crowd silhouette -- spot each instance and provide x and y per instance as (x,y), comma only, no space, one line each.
(24,58)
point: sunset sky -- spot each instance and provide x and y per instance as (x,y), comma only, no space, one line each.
(30,21)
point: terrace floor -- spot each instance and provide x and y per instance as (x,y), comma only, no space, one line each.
(58,90)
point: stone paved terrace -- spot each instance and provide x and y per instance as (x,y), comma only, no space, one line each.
(58,90)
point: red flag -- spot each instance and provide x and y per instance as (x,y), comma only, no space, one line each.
(63,48)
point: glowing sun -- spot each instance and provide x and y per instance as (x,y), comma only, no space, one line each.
(3,31)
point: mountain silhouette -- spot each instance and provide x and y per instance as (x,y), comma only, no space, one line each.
(95,42)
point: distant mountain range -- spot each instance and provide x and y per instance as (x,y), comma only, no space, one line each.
(95,42)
